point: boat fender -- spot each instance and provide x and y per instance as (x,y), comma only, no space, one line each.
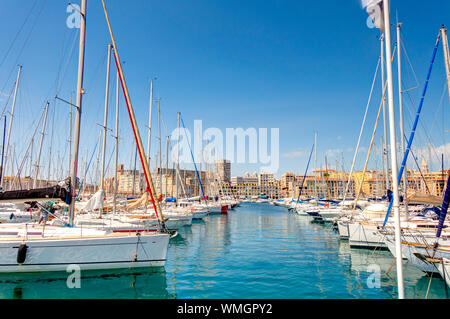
(22,253)
(173,234)
(11,216)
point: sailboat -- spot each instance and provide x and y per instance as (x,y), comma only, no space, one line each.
(40,247)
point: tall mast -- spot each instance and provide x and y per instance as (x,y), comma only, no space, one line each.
(11,119)
(148,176)
(80,91)
(105,121)
(50,152)
(400,104)
(134,170)
(200,159)
(446,55)
(160,151)
(326,179)
(315,165)
(398,247)
(3,149)
(447,69)
(383,166)
(178,157)
(336,184)
(150,123)
(385,125)
(31,157)
(376,171)
(116,159)
(167,164)
(343,176)
(36,166)
(70,135)
(98,160)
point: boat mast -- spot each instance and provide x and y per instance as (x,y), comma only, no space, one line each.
(11,120)
(200,159)
(326,179)
(160,152)
(134,171)
(385,125)
(400,104)
(398,247)
(376,171)
(3,149)
(105,123)
(70,136)
(98,161)
(167,165)
(343,176)
(116,159)
(446,55)
(178,157)
(383,166)
(148,177)
(36,166)
(150,123)
(315,165)
(31,158)
(80,91)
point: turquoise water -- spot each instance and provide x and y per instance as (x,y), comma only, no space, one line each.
(256,251)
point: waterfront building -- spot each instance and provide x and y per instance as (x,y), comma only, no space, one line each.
(222,170)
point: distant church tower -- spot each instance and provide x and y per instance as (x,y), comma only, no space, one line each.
(424,166)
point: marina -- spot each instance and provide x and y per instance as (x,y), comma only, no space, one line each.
(137,192)
(256,251)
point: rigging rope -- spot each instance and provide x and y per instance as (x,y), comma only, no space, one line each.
(304,176)
(195,165)
(177,167)
(86,171)
(361,131)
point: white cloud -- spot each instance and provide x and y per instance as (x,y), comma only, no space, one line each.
(333,152)
(294,154)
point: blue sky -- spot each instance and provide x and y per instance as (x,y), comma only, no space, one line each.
(300,66)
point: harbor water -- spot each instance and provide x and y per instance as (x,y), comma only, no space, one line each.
(255,251)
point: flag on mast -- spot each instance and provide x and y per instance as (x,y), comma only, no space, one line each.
(375,10)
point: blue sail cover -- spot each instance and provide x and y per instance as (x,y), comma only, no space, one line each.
(444,208)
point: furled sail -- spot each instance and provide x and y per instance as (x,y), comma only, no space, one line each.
(61,191)
(140,202)
(95,202)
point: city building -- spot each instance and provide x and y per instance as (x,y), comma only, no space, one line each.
(222,170)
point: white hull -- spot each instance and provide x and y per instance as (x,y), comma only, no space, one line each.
(417,249)
(365,235)
(343,229)
(110,251)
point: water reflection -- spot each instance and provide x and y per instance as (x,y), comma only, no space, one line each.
(416,282)
(129,284)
